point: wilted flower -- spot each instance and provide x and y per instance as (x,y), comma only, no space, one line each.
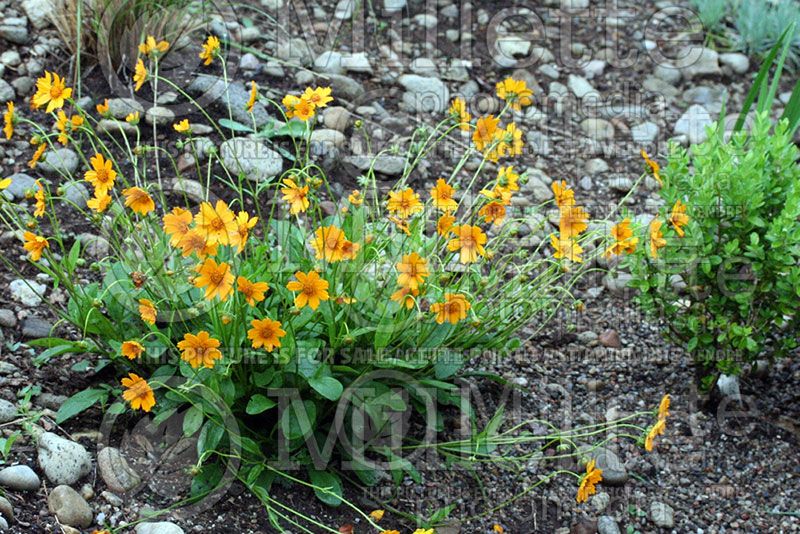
(251,102)
(485,130)
(132,349)
(587,486)
(445,224)
(139,75)
(654,166)
(138,200)
(678,218)
(493,212)
(657,240)
(39,197)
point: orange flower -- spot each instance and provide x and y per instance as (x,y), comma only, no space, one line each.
(350,250)
(37,155)
(566,248)
(147,311)
(39,197)
(485,130)
(564,195)
(101,175)
(656,430)
(99,203)
(9,118)
(195,242)
(458,112)
(442,196)
(654,166)
(132,118)
(182,126)
(587,486)
(65,124)
(251,102)
(573,221)
(312,289)
(298,108)
(265,333)
(377,515)
(657,240)
(102,109)
(493,212)
(139,75)
(405,297)
(355,198)
(498,193)
(404,203)
(413,270)
(138,200)
(150,46)
(515,92)
(176,224)
(200,349)
(132,349)
(678,218)
(469,242)
(508,178)
(444,224)
(453,309)
(138,392)
(52,91)
(35,245)
(216,223)
(624,242)
(401,225)
(295,196)
(210,49)
(328,243)
(253,291)
(217,279)
(663,407)
(244,223)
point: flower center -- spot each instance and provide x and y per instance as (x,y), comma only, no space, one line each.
(55,91)
(216,277)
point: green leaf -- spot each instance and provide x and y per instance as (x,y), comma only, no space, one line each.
(447,364)
(235,126)
(80,402)
(328,486)
(258,404)
(327,386)
(296,426)
(192,420)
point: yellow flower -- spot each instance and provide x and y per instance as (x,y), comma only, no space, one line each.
(657,240)
(37,155)
(453,309)
(5,183)
(265,333)
(405,297)
(444,224)
(390,532)
(195,242)
(210,49)
(138,200)
(515,92)
(663,407)
(499,193)
(573,221)
(253,291)
(138,392)
(39,196)
(132,349)
(656,430)
(253,96)
(216,223)
(512,143)
(65,124)
(147,311)
(566,248)
(295,196)
(35,245)
(507,178)
(99,203)
(654,166)
(469,242)
(132,118)
(564,195)
(587,486)
(244,223)
(51,90)
(485,130)
(217,279)
(442,196)
(355,198)
(413,270)
(298,108)
(102,109)
(200,349)
(182,127)
(458,112)
(497,528)
(150,46)
(624,242)
(493,212)
(319,97)
(377,515)
(401,225)
(139,75)
(678,218)
(9,118)
(176,224)
(312,289)
(328,243)
(404,203)
(424,531)
(350,250)
(101,175)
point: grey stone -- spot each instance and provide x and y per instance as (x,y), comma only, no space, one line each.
(249,62)
(193,189)
(579,86)
(325,142)
(426,20)
(660,87)
(23,85)
(162,527)
(39,12)
(69,507)
(667,73)
(14,34)
(695,61)
(336,118)
(617,283)
(693,124)
(63,461)
(6,92)
(3,524)
(212,88)
(662,514)
(94,245)
(115,471)
(614,472)
(393,5)
(345,87)
(7,318)
(51,401)
(537,188)
(738,63)
(250,34)
(27,292)
(344,9)
(251,157)
(424,94)
(357,62)
(594,68)
(384,164)
(75,193)
(62,161)
(295,50)
(119,108)
(607,525)
(6,509)
(596,166)
(19,478)
(10,58)
(35,327)
(598,129)
(116,127)
(160,116)
(509,49)
(620,183)
(601,501)
(8,411)
(20,183)
(329,62)
(644,133)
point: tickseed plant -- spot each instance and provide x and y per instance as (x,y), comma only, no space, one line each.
(722,265)
(304,322)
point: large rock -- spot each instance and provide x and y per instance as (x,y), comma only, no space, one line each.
(75,193)
(579,86)
(662,514)
(424,94)
(63,461)
(14,33)
(162,527)
(115,471)
(251,157)
(39,12)
(20,183)
(27,292)
(345,87)
(213,89)
(62,162)
(383,164)
(695,61)
(693,124)
(329,62)
(19,478)
(119,108)
(607,525)
(69,507)
(6,92)
(8,411)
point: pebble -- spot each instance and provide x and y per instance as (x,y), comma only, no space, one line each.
(610,339)
(693,124)
(596,166)
(6,510)
(62,161)
(163,527)
(607,525)
(63,461)
(19,478)
(69,507)
(23,85)
(39,12)
(644,133)
(6,92)
(35,327)
(20,183)
(115,471)
(662,514)
(424,94)
(601,501)
(336,118)
(8,411)
(14,34)
(393,5)
(696,61)
(329,62)
(738,63)
(10,58)
(580,86)
(669,74)
(207,89)
(384,164)
(27,292)
(358,62)
(119,108)
(249,62)
(345,87)
(75,193)
(116,127)
(598,129)
(160,116)
(251,157)
(3,524)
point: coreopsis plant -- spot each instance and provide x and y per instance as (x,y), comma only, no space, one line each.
(244,296)
(721,263)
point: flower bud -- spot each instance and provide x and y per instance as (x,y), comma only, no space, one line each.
(97,303)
